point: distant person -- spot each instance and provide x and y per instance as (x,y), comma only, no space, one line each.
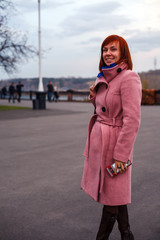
(12,92)
(4,92)
(116,96)
(19,90)
(56,96)
(50,91)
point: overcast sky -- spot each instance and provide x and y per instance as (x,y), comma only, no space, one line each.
(73,30)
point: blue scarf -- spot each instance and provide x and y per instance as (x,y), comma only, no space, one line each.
(106,67)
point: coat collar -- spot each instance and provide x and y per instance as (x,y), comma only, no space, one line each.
(108,74)
(111,73)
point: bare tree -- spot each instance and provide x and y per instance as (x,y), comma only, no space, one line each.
(13,45)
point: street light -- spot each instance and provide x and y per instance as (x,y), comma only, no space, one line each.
(40,86)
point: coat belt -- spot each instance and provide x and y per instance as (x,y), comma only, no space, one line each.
(111,121)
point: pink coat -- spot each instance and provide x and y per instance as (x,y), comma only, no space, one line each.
(111,135)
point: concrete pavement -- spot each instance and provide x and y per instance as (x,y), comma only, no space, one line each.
(41,166)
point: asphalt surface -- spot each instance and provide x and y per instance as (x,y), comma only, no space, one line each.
(41,165)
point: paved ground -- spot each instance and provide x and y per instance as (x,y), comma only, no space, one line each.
(41,165)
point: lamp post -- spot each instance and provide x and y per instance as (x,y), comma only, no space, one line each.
(40,86)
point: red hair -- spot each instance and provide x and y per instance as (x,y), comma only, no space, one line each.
(124,49)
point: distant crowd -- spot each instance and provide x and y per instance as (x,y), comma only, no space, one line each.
(15,92)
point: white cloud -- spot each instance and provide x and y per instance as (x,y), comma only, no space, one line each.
(93,18)
(144,40)
(45,4)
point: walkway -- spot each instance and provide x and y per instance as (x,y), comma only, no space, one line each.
(41,166)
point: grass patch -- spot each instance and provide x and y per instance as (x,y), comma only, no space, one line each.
(5,108)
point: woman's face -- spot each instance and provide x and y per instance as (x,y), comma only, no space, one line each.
(111,53)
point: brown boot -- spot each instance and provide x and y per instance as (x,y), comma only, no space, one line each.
(123,223)
(107,222)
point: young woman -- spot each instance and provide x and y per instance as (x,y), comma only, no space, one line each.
(116,96)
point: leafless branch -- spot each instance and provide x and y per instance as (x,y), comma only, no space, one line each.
(13,45)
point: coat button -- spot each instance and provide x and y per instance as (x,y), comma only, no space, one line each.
(103,109)
(119,70)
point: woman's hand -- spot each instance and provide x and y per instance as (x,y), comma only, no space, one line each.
(121,166)
(92,93)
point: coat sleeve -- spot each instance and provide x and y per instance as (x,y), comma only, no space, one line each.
(131,94)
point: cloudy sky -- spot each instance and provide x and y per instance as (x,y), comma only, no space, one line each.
(73,30)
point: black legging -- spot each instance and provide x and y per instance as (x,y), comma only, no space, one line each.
(109,215)
(116,209)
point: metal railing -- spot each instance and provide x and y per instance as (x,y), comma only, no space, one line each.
(69,95)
